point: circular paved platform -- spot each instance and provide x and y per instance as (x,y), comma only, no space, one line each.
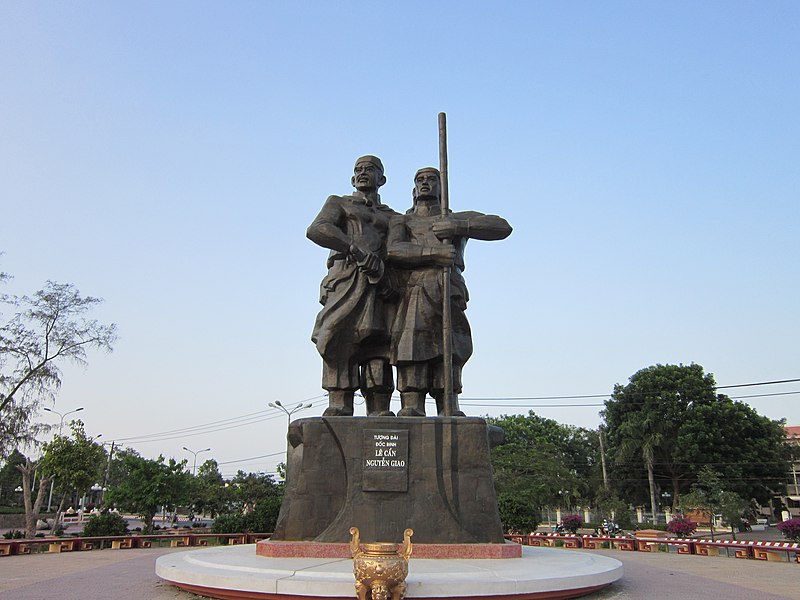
(237,572)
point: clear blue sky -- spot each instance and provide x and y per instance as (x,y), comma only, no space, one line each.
(169,156)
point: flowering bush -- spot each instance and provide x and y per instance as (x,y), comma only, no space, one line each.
(681,526)
(571,522)
(790,529)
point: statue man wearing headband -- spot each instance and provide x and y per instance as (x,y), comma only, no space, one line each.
(352,329)
(421,242)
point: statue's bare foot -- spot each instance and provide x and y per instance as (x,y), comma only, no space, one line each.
(409,411)
(338,411)
(457,413)
(381,413)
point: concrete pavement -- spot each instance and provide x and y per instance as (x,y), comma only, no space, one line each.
(675,576)
(94,575)
(130,575)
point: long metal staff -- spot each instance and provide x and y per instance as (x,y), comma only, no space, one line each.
(447,319)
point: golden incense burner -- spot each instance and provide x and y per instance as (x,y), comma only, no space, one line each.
(380,568)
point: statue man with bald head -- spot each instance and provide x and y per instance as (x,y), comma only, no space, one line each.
(419,244)
(352,330)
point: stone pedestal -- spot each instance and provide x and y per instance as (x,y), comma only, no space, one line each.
(235,572)
(384,474)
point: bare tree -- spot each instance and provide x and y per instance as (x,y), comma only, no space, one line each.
(47,329)
(32,505)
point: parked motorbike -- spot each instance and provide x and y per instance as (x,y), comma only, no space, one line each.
(609,529)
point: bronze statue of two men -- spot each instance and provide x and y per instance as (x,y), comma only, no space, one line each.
(382,298)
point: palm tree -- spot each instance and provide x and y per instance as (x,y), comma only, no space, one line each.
(644,438)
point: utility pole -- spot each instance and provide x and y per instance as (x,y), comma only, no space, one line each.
(108,471)
(603,457)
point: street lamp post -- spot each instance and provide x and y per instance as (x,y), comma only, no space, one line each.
(60,428)
(194,466)
(277,404)
(62,415)
(289,412)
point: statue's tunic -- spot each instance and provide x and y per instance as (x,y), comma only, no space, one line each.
(417,328)
(353,324)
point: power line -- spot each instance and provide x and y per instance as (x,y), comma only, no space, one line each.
(212,427)
(204,432)
(232,476)
(526,405)
(540,397)
(255,417)
(261,416)
(267,415)
(764,395)
(595,404)
(723,387)
(584,396)
(195,427)
(230,462)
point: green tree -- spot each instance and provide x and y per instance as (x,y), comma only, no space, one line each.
(711,496)
(210,495)
(10,477)
(542,463)
(519,512)
(254,501)
(75,462)
(143,486)
(46,330)
(658,431)
(749,450)
(643,420)
(248,489)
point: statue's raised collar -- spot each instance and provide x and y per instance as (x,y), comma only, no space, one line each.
(428,207)
(360,197)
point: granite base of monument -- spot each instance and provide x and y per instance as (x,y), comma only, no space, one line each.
(273,549)
(236,572)
(384,474)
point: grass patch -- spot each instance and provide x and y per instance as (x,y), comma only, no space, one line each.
(12,510)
